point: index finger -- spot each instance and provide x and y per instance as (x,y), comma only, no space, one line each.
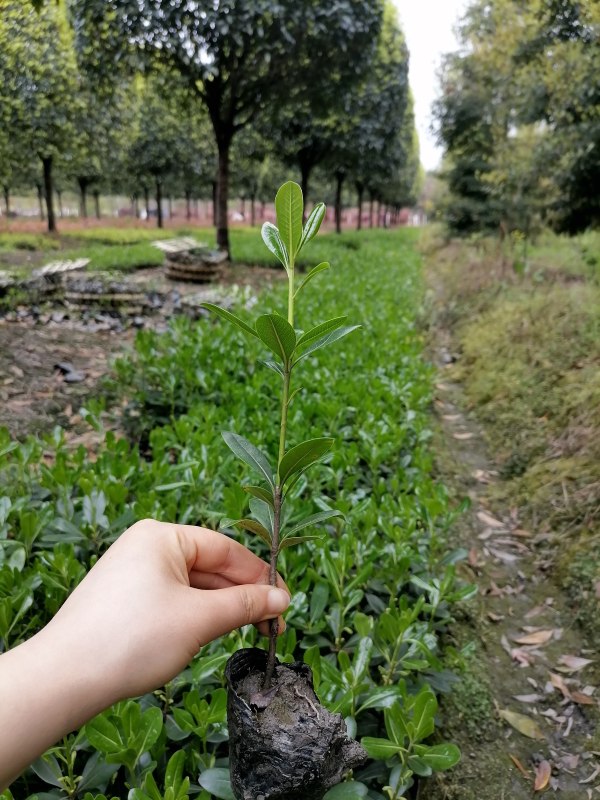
(210,552)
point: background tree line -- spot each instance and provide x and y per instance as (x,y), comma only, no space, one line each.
(519,115)
(156,100)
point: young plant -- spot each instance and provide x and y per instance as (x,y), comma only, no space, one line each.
(289,348)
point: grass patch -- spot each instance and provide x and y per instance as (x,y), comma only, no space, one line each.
(530,365)
(29,241)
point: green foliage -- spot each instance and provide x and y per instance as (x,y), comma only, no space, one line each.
(358,617)
(522,141)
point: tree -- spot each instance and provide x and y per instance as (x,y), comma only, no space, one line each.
(237,55)
(39,91)
(507,87)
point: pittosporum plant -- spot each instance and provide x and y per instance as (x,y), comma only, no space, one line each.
(289,347)
(332,753)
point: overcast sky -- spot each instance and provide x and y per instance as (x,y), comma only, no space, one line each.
(428,26)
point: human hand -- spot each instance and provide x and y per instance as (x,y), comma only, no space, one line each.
(156,596)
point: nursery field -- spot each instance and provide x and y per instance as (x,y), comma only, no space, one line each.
(372,597)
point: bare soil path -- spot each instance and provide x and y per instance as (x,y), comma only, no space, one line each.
(526,713)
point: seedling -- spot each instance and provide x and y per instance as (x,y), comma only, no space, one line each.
(289,348)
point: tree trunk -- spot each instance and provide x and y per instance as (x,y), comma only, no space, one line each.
(243,207)
(339,182)
(252,210)
(378,213)
(159,214)
(188,205)
(360,190)
(223,195)
(60,205)
(6,192)
(97,203)
(47,166)
(371,202)
(215,193)
(83,184)
(147,201)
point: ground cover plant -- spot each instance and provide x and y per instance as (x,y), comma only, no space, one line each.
(529,348)
(369,602)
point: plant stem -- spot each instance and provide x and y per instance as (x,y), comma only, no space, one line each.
(277,496)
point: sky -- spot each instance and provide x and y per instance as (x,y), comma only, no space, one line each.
(428,27)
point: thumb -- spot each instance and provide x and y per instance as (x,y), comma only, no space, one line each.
(223,610)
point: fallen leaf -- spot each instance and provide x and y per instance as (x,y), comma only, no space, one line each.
(543,771)
(518,765)
(463,436)
(495,617)
(539,637)
(558,683)
(535,612)
(570,762)
(582,699)
(501,555)
(487,519)
(528,698)
(592,777)
(524,658)
(573,663)
(525,725)
(451,417)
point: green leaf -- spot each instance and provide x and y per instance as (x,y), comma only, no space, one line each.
(395,724)
(328,339)
(227,315)
(314,519)
(321,330)
(290,541)
(289,206)
(249,454)
(419,766)
(380,748)
(383,697)
(174,772)
(217,782)
(272,239)
(264,513)
(313,223)
(351,790)
(272,365)
(313,272)
(260,493)
(250,525)
(424,709)
(104,736)
(301,456)
(277,333)
(439,756)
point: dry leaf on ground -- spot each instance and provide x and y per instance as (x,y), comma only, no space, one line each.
(573,663)
(525,725)
(518,765)
(487,519)
(559,684)
(543,773)
(463,436)
(539,637)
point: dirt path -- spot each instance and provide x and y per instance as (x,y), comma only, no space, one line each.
(34,395)
(527,707)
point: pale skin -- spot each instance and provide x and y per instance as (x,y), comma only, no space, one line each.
(137,619)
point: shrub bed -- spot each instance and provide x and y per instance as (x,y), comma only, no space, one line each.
(369,601)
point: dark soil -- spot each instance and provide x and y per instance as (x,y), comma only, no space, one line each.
(283,745)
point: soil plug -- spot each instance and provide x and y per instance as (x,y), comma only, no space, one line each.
(283,743)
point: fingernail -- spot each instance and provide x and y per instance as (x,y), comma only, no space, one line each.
(277,601)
